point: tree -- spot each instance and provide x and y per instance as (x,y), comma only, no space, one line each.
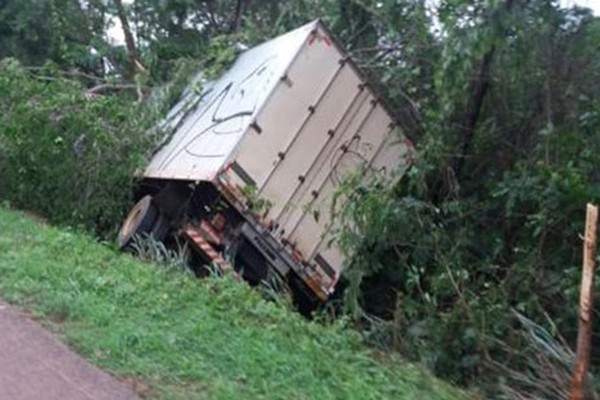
(487,220)
(62,31)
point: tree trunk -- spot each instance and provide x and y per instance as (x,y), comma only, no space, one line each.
(479,88)
(134,59)
(236,22)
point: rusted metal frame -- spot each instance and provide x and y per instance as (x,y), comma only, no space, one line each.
(197,238)
(277,247)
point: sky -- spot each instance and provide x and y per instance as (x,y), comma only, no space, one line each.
(593,4)
(115,33)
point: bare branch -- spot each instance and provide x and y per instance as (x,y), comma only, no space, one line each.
(109,87)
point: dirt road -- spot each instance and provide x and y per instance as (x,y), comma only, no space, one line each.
(34,365)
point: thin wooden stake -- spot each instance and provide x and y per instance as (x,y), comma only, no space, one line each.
(584,335)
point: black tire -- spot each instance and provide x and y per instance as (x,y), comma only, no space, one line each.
(141,219)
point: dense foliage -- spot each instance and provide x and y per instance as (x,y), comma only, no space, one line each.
(65,155)
(488,219)
(501,98)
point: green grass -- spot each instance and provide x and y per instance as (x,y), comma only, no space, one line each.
(188,338)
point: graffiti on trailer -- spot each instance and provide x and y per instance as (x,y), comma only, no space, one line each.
(350,157)
(226,111)
(357,154)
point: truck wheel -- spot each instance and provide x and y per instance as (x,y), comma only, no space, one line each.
(141,219)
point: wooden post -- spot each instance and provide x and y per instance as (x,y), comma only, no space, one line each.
(584,335)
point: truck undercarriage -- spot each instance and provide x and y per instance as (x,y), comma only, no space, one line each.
(218,235)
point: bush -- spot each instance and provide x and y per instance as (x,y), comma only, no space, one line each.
(448,275)
(65,155)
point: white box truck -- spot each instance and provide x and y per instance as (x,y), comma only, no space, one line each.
(256,156)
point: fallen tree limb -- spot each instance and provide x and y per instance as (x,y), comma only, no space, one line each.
(104,87)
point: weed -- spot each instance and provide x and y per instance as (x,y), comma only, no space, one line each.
(149,249)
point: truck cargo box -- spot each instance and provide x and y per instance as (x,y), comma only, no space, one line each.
(285,124)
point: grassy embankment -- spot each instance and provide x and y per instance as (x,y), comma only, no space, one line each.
(187,338)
